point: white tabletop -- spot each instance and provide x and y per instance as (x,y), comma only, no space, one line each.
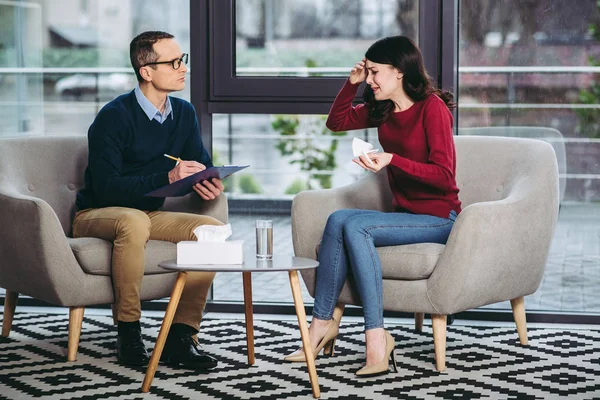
(251,264)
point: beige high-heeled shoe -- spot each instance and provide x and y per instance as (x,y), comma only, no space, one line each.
(328,343)
(382,367)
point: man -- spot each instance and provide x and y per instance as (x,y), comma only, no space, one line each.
(127,143)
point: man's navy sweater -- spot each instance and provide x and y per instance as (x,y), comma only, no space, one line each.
(126,153)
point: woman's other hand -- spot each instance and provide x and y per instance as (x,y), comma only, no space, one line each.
(379,161)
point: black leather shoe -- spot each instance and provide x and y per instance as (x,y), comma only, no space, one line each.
(130,347)
(181,350)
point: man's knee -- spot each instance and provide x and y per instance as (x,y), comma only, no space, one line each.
(200,220)
(206,220)
(135,223)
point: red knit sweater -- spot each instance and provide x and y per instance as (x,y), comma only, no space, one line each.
(423,167)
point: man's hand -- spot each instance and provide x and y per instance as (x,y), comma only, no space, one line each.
(379,160)
(209,190)
(185,168)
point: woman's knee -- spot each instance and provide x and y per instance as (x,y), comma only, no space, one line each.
(356,224)
(337,219)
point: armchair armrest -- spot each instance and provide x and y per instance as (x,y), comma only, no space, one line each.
(36,258)
(192,203)
(310,209)
(497,250)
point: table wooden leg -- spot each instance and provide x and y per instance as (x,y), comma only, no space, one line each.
(164,330)
(247,277)
(301,314)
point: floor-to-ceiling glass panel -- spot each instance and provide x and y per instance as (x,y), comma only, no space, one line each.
(534,64)
(62,60)
(80,51)
(21,100)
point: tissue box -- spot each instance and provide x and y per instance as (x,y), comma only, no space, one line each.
(228,252)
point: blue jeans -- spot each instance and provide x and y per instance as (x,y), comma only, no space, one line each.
(348,246)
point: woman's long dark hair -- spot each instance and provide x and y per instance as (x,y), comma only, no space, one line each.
(403,54)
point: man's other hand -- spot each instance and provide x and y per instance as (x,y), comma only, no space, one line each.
(209,190)
(185,168)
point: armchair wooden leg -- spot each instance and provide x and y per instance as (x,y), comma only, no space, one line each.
(518,307)
(439,340)
(10,303)
(419,317)
(75,321)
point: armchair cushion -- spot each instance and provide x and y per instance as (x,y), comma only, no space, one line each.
(94,255)
(409,262)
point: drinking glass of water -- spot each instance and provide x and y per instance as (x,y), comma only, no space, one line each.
(264,239)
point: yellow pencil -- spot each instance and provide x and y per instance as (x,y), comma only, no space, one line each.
(173,158)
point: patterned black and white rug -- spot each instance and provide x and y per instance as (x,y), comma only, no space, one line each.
(482,362)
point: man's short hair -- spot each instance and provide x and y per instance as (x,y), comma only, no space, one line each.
(141,51)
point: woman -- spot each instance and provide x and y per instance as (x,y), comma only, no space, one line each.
(415,130)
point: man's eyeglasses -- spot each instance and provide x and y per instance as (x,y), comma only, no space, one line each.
(176,63)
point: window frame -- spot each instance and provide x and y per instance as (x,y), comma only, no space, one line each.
(231,94)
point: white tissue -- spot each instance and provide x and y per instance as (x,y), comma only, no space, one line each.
(212,233)
(359,147)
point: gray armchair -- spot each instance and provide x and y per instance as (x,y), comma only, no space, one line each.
(497,249)
(39,179)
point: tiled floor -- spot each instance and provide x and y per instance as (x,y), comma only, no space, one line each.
(571,281)
(484,360)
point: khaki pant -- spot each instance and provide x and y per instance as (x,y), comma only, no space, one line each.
(129,230)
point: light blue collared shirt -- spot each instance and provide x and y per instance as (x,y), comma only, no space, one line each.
(149,109)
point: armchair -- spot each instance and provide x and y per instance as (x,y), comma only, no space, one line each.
(39,179)
(497,249)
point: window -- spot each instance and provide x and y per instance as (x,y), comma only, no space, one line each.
(276,146)
(292,56)
(62,60)
(21,93)
(276,64)
(532,64)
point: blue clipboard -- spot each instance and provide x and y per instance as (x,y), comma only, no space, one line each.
(184,186)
